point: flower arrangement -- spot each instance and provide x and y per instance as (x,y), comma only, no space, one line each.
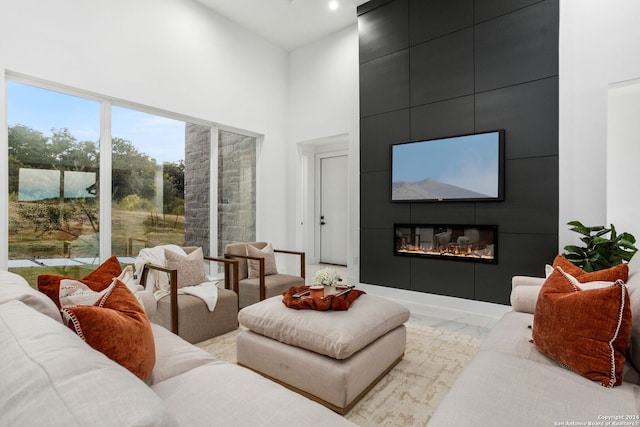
(327,277)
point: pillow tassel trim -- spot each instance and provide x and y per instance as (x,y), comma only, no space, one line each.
(623,290)
(71,317)
(108,293)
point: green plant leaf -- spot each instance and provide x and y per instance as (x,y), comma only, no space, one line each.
(599,251)
(579,228)
(600,231)
(627,237)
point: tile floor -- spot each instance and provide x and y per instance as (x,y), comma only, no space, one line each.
(466,317)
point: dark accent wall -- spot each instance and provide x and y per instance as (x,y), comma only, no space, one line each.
(435,68)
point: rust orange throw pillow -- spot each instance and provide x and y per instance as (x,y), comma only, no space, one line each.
(588,331)
(117,326)
(617,272)
(98,280)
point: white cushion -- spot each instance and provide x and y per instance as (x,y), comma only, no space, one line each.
(498,389)
(190,267)
(633,284)
(634,271)
(51,377)
(337,334)
(74,292)
(525,290)
(526,281)
(224,394)
(524,298)
(15,287)
(175,356)
(269,261)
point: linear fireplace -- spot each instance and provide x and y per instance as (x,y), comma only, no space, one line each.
(477,243)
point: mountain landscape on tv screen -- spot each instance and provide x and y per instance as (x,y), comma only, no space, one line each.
(431,189)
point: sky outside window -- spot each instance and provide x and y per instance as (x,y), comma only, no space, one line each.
(44,110)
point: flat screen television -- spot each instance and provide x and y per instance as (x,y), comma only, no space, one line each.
(457,168)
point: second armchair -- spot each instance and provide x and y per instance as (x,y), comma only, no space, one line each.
(258,277)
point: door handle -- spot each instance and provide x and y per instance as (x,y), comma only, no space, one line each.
(322,220)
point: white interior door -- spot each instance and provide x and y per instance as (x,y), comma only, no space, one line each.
(333,209)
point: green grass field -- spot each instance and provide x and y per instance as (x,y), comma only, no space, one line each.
(130,232)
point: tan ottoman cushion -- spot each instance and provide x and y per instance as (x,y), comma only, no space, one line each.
(337,334)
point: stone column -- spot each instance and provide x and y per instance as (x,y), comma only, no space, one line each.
(196,186)
(236,189)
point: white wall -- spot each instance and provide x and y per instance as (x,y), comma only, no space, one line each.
(173,55)
(623,156)
(598,46)
(323,109)
(178,56)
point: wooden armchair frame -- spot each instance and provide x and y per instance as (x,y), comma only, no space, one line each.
(262,269)
(229,265)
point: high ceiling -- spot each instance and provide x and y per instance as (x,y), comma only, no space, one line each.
(288,23)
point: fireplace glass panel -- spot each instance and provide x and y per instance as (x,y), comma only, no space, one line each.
(476,243)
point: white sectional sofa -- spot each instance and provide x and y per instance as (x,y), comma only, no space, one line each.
(510,383)
(49,376)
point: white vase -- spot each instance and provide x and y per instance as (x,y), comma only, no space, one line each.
(329,290)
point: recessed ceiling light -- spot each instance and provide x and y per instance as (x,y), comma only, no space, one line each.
(333,5)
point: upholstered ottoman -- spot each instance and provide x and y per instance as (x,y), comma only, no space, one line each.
(332,357)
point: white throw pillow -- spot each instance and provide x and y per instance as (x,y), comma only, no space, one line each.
(269,261)
(190,268)
(73,292)
(585,286)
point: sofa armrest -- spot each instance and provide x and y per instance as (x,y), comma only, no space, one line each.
(524,298)
(526,281)
(524,293)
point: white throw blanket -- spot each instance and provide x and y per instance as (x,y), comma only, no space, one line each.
(159,281)
(207,292)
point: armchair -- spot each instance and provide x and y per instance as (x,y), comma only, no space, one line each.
(253,289)
(189,316)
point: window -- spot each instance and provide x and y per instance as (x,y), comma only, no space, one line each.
(147,208)
(53,180)
(160,185)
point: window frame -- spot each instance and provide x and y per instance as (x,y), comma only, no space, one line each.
(105,163)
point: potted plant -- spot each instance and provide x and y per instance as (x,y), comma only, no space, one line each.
(600,252)
(328,278)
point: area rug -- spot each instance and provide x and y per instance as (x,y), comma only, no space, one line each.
(411,392)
